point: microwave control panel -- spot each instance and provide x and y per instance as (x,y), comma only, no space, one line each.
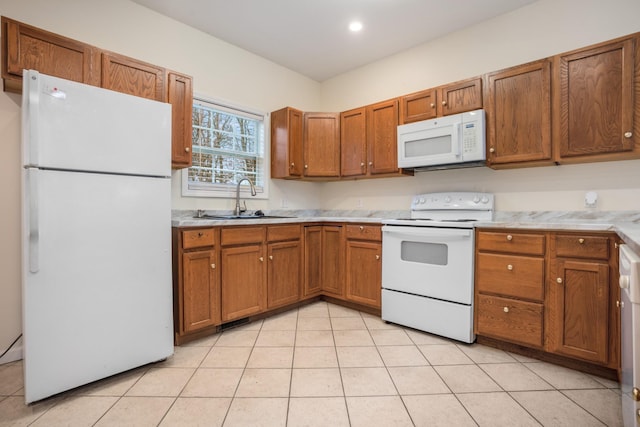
(469,138)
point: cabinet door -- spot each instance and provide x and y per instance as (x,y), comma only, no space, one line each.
(382,131)
(332,276)
(364,272)
(594,112)
(128,75)
(460,97)
(321,144)
(312,261)
(284,273)
(353,142)
(286,143)
(418,106)
(31,48)
(579,310)
(518,114)
(200,291)
(180,96)
(242,281)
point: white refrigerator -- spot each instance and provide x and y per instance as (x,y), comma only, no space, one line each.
(96,233)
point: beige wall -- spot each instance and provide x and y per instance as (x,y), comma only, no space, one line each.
(541,29)
(227,73)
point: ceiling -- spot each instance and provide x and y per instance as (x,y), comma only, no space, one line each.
(312,36)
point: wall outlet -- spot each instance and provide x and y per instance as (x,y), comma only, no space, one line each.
(359,203)
(591,199)
(283,203)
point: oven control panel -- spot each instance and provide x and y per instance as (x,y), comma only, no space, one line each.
(453,201)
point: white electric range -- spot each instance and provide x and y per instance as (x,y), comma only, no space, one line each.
(428,263)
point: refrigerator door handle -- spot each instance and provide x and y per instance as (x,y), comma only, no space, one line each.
(34,224)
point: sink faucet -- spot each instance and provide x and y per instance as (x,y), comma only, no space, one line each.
(238,210)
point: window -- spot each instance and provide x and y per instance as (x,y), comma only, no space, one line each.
(228,145)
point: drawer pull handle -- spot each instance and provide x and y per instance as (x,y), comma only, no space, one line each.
(213,266)
(509,237)
(581,241)
(506,309)
(200,234)
(510,267)
(377,256)
(271,257)
(261,259)
(559,280)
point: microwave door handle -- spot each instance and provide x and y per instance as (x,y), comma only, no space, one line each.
(457,142)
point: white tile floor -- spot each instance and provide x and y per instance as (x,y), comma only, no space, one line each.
(326,365)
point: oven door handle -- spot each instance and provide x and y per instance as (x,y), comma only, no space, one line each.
(413,233)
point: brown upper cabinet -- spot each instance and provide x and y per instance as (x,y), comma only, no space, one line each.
(321,145)
(30,48)
(518,115)
(368,137)
(180,96)
(593,111)
(286,143)
(27,47)
(453,98)
(133,77)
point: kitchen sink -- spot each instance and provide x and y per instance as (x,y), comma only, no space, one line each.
(241,216)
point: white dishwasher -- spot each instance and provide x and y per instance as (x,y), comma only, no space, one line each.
(630,327)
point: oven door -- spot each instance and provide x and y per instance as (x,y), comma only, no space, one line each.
(431,262)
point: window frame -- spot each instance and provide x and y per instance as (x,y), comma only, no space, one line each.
(227,191)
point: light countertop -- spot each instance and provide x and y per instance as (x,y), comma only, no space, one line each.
(625,223)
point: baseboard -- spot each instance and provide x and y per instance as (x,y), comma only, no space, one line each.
(12,355)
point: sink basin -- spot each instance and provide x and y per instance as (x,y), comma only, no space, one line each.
(241,216)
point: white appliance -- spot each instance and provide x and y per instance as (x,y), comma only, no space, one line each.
(96,233)
(427,263)
(445,142)
(630,328)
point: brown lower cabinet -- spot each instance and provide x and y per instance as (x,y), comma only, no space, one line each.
(231,273)
(550,291)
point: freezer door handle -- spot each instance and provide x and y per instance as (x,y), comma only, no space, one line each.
(31,111)
(34,225)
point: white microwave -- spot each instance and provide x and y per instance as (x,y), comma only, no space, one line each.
(442,143)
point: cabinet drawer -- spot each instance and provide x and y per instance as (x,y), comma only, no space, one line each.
(283,232)
(364,232)
(241,235)
(511,275)
(504,318)
(504,241)
(581,246)
(198,238)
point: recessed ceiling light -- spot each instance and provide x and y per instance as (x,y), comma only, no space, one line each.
(355,26)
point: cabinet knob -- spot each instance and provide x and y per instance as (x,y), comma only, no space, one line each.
(213,266)
(361,227)
(187,149)
(559,280)
(306,166)
(505,309)
(370,163)
(361,164)
(377,256)
(628,134)
(509,237)
(292,164)
(581,241)
(444,102)
(433,105)
(492,150)
(620,304)
(271,257)
(509,267)
(200,234)
(261,259)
